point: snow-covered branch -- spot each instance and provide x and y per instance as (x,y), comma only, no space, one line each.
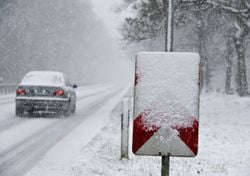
(228,8)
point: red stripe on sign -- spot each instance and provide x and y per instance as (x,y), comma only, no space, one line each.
(189,136)
(141,133)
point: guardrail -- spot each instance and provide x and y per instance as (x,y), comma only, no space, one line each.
(7,89)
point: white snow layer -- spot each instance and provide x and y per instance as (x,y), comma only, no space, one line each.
(62,157)
(43,78)
(167,90)
(224,146)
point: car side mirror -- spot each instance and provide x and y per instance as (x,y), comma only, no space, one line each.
(74,86)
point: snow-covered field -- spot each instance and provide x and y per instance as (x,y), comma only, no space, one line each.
(223,147)
(93,147)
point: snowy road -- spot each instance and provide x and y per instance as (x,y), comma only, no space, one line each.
(24,141)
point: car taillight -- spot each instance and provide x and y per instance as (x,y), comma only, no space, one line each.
(21,91)
(58,92)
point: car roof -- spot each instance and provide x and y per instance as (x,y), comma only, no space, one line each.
(45,72)
(45,78)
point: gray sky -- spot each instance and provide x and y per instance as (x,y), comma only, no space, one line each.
(103,8)
(112,21)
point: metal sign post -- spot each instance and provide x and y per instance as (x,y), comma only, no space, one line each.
(165,165)
(169,26)
(169,39)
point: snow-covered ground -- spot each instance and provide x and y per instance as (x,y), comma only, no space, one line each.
(93,147)
(223,147)
(24,141)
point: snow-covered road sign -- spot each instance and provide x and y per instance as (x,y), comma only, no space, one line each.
(166,104)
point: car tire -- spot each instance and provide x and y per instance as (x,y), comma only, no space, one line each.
(67,111)
(73,109)
(19,111)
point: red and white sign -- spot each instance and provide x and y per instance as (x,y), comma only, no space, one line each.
(166,104)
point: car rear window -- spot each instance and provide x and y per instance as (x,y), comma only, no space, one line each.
(44,79)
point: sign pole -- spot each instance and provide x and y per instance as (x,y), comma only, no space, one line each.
(169,38)
(165,166)
(169,26)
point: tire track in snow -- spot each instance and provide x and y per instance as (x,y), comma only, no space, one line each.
(7,101)
(23,156)
(8,123)
(6,97)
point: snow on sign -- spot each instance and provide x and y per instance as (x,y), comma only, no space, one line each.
(166,104)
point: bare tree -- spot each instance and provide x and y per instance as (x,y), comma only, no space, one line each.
(240,10)
(229,65)
(201,10)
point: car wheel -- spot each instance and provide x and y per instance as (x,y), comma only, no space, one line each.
(66,112)
(73,109)
(19,111)
(30,113)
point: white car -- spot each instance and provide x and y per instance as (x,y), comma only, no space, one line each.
(45,91)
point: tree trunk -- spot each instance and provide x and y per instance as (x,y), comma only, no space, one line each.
(243,31)
(204,75)
(242,87)
(229,66)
